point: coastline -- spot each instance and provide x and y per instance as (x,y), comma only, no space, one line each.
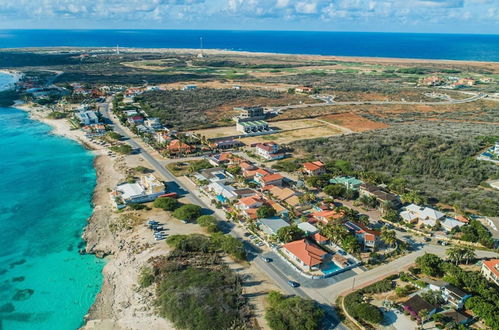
(119,303)
(215,51)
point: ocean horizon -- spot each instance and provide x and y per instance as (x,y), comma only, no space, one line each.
(47,185)
(470,47)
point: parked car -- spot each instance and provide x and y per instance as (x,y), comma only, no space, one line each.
(293,284)
(427,239)
(266,259)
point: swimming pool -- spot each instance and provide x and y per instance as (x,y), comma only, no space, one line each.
(330,268)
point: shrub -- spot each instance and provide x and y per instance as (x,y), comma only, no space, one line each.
(123,149)
(188,212)
(265,211)
(292,313)
(166,203)
(146,277)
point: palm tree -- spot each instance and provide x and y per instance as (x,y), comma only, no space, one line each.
(388,236)
(335,232)
(455,254)
(468,254)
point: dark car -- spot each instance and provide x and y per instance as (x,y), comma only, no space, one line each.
(427,239)
(293,284)
(266,259)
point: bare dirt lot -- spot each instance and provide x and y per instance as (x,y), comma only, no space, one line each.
(286,131)
(354,122)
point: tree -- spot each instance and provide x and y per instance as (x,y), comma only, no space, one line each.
(388,236)
(292,313)
(115,136)
(350,243)
(335,232)
(206,221)
(335,190)
(188,212)
(166,203)
(265,211)
(234,170)
(430,264)
(290,234)
(458,254)
(433,297)
(423,314)
(368,313)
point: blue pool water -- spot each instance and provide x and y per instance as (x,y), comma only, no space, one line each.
(46,188)
(330,268)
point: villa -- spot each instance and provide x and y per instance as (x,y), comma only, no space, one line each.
(87,117)
(269,179)
(450,223)
(314,168)
(270,226)
(146,190)
(348,181)
(368,237)
(308,228)
(425,215)
(305,253)
(490,270)
(268,151)
(416,304)
(327,216)
(177,146)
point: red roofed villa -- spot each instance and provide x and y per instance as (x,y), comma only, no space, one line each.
(305,253)
(314,168)
(490,270)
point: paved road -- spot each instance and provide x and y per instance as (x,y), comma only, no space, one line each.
(176,185)
(331,102)
(324,291)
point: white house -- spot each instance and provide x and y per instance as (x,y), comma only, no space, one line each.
(227,192)
(147,189)
(268,151)
(426,215)
(450,223)
(308,228)
(153,123)
(87,117)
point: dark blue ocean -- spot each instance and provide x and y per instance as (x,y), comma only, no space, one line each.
(397,45)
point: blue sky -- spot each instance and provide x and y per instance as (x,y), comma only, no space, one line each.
(438,16)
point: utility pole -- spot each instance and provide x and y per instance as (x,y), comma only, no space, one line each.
(353,283)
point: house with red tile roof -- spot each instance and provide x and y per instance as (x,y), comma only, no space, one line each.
(318,238)
(306,254)
(368,237)
(250,202)
(268,151)
(270,179)
(490,270)
(177,146)
(327,216)
(247,166)
(314,168)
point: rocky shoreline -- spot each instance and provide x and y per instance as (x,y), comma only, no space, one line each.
(120,304)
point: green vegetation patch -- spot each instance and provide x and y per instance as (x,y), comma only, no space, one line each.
(438,160)
(195,290)
(292,313)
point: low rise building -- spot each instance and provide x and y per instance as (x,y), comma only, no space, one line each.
(416,304)
(268,151)
(424,215)
(368,237)
(314,168)
(87,117)
(455,296)
(250,113)
(153,124)
(490,270)
(349,182)
(270,226)
(306,254)
(253,127)
(147,189)
(327,216)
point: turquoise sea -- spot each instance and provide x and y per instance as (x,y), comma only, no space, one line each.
(45,199)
